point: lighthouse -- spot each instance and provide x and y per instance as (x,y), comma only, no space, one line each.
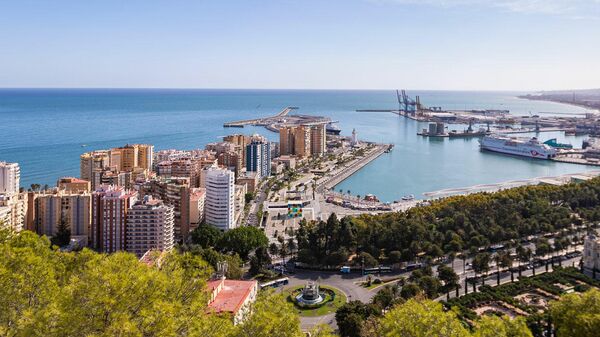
(354,138)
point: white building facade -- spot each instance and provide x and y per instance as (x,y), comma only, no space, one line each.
(220,192)
(591,255)
(13,204)
(10,178)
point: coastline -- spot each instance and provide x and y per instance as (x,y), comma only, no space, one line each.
(548,99)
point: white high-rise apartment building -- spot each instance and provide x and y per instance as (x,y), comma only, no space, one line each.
(219,205)
(10,178)
(13,205)
(150,225)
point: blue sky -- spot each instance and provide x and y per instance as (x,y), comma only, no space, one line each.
(339,44)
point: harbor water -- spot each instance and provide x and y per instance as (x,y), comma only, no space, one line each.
(45,131)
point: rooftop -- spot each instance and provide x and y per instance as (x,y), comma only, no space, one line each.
(230,294)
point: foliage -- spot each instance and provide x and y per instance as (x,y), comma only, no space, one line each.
(577,315)
(421,318)
(507,293)
(481,263)
(46,292)
(350,317)
(453,224)
(259,261)
(448,276)
(272,316)
(206,236)
(213,257)
(387,297)
(494,326)
(410,290)
(243,240)
(62,236)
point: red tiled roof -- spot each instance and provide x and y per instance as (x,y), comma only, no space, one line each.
(231,297)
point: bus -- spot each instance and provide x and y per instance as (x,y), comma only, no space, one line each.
(413,266)
(275,283)
(377,270)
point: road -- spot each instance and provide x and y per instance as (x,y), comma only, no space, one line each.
(347,283)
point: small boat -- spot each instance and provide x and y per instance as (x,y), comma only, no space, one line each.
(83,145)
(408,197)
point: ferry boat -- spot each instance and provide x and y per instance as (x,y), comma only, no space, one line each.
(531,148)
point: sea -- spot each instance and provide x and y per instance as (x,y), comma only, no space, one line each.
(46,130)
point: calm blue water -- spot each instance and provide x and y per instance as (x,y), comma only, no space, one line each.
(43,131)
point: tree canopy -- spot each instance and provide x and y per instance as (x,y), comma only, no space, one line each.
(48,292)
(450,225)
(577,315)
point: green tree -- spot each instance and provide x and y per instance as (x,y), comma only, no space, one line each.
(243,240)
(430,286)
(481,264)
(448,276)
(494,326)
(272,316)
(421,318)
(206,236)
(273,249)
(386,297)
(410,290)
(351,316)
(259,261)
(63,235)
(577,315)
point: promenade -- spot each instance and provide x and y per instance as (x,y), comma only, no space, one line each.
(265,120)
(350,168)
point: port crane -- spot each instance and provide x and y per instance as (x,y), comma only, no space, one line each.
(406,104)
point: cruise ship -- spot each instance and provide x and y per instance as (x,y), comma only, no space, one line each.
(531,148)
(333,129)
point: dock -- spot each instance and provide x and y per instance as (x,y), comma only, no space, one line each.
(355,166)
(532,130)
(261,121)
(576,159)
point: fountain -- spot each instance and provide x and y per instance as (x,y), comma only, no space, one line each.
(310,294)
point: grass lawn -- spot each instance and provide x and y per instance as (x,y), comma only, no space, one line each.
(329,307)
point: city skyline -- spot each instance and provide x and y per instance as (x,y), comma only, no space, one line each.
(360,44)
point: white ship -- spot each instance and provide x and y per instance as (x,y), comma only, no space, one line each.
(531,148)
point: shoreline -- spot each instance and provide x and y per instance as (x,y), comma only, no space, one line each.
(354,167)
(542,99)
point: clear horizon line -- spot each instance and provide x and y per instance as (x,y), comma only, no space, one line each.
(280,89)
(276,89)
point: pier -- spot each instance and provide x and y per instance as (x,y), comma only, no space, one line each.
(260,121)
(532,130)
(353,167)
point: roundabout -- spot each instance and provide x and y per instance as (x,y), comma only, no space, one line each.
(314,300)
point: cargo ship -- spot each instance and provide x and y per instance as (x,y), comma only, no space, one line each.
(531,148)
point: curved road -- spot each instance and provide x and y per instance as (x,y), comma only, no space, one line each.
(347,283)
